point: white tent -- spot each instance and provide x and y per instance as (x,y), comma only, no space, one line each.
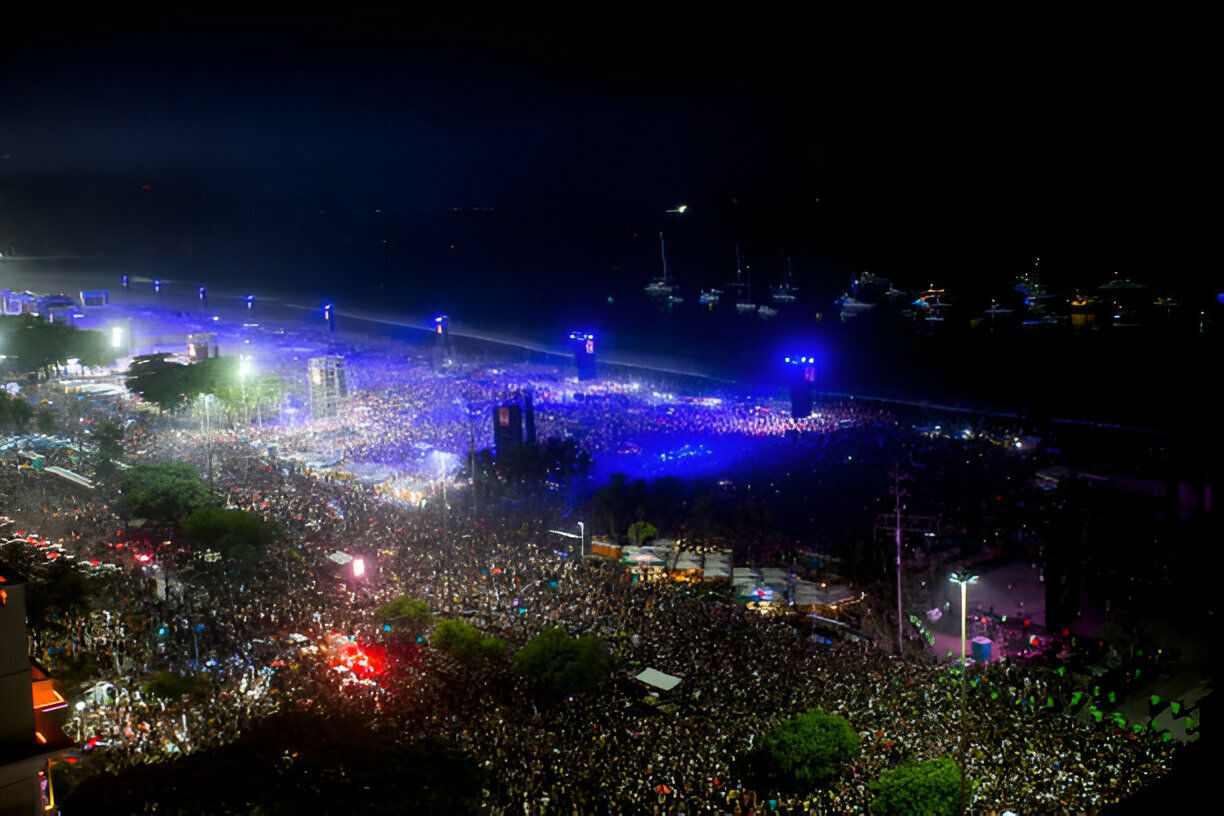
(340,558)
(653,677)
(717,566)
(688,560)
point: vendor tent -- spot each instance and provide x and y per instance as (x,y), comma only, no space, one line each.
(340,558)
(656,678)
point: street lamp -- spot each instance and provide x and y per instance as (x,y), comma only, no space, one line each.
(80,708)
(581,540)
(679,210)
(964,579)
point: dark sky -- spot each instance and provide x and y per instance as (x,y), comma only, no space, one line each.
(934,150)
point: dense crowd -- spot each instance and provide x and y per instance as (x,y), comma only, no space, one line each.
(257,636)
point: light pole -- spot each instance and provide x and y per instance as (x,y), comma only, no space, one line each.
(964,579)
(581,540)
(80,708)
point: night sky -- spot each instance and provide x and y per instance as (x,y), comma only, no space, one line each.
(934,151)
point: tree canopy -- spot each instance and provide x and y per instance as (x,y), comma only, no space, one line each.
(559,664)
(465,642)
(31,344)
(108,441)
(239,536)
(164,492)
(404,613)
(15,413)
(169,384)
(807,749)
(929,788)
(642,531)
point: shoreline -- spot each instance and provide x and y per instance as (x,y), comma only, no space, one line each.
(16,274)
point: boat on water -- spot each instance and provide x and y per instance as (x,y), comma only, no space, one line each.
(931,307)
(710,297)
(742,288)
(786,292)
(662,287)
(866,292)
(850,307)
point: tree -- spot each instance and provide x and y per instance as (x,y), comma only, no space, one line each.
(807,749)
(165,492)
(158,380)
(58,599)
(929,788)
(239,536)
(559,664)
(404,613)
(108,442)
(32,344)
(463,641)
(15,412)
(642,531)
(45,421)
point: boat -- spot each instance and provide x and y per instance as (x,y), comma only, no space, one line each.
(743,290)
(710,297)
(785,292)
(850,307)
(866,292)
(662,287)
(930,306)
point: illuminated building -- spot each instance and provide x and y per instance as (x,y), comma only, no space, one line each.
(30,705)
(328,386)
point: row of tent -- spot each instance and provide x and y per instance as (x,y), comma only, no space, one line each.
(767,585)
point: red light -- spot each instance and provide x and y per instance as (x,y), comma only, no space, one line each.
(349,654)
(146,187)
(1028,621)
